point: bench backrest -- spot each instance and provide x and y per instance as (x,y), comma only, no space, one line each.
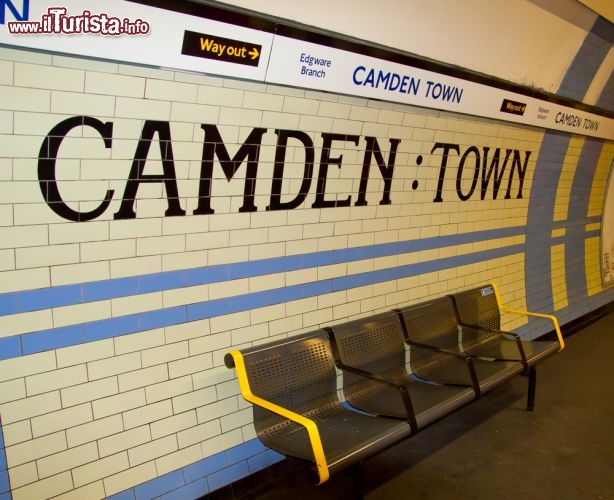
(374,344)
(297,374)
(478,306)
(433,322)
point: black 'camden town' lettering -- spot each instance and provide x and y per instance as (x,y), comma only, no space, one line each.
(249,153)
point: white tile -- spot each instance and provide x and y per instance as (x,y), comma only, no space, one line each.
(74,103)
(16,433)
(164,354)
(79,273)
(173,424)
(83,353)
(143,302)
(92,490)
(114,85)
(67,460)
(25,55)
(144,109)
(194,399)
(6,72)
(58,379)
(220,443)
(150,451)
(52,486)
(169,389)
(23,366)
(136,266)
(48,77)
(262,101)
(147,414)
(47,256)
(24,99)
(131,477)
(170,91)
(30,236)
(113,366)
(219,96)
(16,324)
(142,378)
(193,364)
(118,403)
(198,433)
(90,391)
(95,430)
(179,459)
(108,250)
(100,469)
(12,390)
(85,64)
(35,448)
(23,474)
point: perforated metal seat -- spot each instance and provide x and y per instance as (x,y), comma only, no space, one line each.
(479,314)
(375,345)
(434,324)
(293,387)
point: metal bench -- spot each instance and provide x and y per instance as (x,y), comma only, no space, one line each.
(401,370)
(434,324)
(469,322)
(292,384)
(375,345)
(479,315)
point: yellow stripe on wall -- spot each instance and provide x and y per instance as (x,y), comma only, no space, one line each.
(592,265)
(559,233)
(600,180)
(559,283)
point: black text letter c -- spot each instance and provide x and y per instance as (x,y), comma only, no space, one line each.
(47,158)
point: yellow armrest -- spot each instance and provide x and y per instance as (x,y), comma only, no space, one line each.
(310,425)
(552,318)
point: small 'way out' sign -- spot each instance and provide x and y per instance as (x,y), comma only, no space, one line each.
(221,49)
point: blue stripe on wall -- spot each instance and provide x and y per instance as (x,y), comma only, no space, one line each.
(206,475)
(575,84)
(68,295)
(585,65)
(538,288)
(575,262)
(5,485)
(56,338)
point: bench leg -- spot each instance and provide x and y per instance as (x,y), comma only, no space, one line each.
(357,475)
(290,472)
(531,391)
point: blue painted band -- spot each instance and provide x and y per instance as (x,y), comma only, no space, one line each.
(31,343)
(68,295)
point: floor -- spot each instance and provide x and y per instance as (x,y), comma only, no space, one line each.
(494,448)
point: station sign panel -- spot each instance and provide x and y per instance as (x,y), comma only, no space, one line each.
(139,33)
(122,31)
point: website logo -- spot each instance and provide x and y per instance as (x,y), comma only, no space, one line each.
(58,22)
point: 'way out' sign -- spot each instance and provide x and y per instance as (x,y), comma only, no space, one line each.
(220,49)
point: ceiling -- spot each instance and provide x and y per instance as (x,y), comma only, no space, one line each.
(605,8)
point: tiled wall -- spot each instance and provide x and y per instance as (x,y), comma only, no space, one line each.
(113,329)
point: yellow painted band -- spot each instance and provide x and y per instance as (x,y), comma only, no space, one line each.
(310,425)
(552,318)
